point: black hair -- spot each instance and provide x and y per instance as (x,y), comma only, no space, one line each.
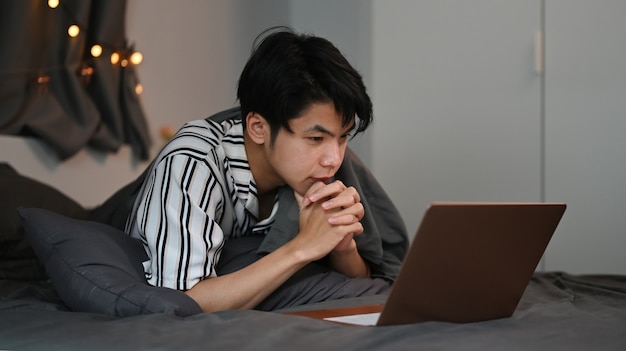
(287,72)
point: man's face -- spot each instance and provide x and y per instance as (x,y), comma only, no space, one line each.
(315,149)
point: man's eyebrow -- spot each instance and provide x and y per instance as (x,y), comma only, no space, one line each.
(321,129)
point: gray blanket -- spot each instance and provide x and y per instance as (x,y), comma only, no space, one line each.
(557,312)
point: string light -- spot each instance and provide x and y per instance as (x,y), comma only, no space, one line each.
(73,31)
(85,74)
(86,71)
(136,58)
(123,56)
(42,81)
(96,50)
(115,58)
(124,60)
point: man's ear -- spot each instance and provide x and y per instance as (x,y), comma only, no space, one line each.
(257,127)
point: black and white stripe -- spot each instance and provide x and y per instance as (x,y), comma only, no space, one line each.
(199,193)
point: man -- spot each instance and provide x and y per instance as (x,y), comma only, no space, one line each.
(217,182)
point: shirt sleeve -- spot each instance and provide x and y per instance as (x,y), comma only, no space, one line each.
(177,217)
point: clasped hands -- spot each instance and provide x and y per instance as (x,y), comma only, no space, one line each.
(332,213)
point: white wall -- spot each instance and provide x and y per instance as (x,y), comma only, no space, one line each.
(586,129)
(88,177)
(193,52)
(347,24)
(455,85)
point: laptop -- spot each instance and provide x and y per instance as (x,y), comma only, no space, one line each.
(468,262)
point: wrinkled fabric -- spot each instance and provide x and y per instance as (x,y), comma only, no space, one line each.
(51,88)
(384,241)
(557,312)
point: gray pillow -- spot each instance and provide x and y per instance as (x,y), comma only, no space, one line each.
(97,268)
(17,259)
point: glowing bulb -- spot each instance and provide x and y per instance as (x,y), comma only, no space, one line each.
(73,31)
(136,58)
(53,4)
(86,71)
(166,132)
(115,58)
(96,50)
(124,62)
(138,89)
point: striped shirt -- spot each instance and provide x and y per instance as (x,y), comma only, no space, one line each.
(199,192)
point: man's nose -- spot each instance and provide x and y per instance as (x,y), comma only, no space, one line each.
(332,156)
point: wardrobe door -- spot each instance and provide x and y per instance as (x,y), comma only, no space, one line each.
(585,109)
(457,102)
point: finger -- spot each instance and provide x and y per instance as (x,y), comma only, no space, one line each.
(347,219)
(343,200)
(307,196)
(355,194)
(325,190)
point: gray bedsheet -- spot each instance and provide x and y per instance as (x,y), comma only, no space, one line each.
(557,312)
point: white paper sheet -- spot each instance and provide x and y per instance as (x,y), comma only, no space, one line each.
(365,319)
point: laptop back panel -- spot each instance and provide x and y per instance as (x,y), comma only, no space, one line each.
(470,262)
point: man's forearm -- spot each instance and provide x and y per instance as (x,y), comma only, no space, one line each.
(246,288)
(349,263)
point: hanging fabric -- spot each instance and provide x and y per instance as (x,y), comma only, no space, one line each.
(68,76)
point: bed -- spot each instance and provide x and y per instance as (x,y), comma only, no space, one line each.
(39,309)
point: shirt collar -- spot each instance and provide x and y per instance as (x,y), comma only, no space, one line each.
(236,161)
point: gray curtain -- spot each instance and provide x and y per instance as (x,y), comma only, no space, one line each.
(52,88)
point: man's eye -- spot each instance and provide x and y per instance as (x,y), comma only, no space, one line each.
(316,138)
